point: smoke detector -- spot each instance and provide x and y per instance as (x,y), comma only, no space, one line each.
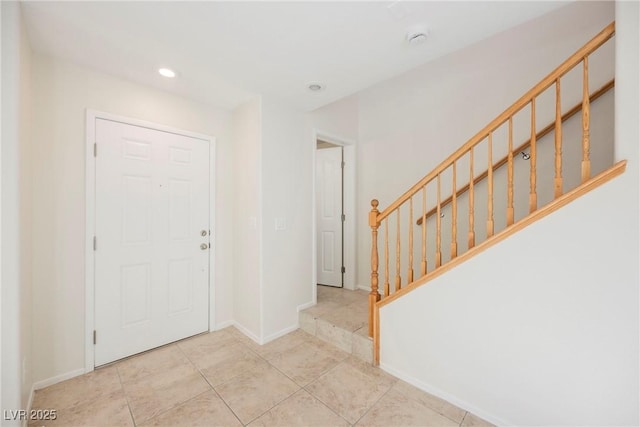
(418,35)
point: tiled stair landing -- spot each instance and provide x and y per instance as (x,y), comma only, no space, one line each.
(340,317)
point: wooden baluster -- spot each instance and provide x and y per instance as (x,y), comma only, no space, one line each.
(374,296)
(558,134)
(386,257)
(533,196)
(423,263)
(472,234)
(586,163)
(398,278)
(438,230)
(410,270)
(490,189)
(510,211)
(454,216)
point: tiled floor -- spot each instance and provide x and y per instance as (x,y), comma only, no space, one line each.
(225,379)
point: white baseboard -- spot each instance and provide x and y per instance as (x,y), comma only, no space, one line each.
(305,306)
(364,288)
(247,332)
(223,325)
(58,378)
(444,395)
(280,333)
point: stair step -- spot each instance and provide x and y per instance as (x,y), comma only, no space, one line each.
(355,342)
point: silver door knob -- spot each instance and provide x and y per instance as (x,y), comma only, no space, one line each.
(203,233)
(204,246)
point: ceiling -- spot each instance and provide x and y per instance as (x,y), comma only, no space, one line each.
(227,52)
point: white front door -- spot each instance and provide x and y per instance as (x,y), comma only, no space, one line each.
(152,239)
(329,215)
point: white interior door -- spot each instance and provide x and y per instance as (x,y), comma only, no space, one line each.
(329,215)
(152,239)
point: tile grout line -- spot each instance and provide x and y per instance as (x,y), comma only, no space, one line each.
(211,385)
(126,396)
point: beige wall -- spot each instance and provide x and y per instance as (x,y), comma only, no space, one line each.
(16,355)
(61,94)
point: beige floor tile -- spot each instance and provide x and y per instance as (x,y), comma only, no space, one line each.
(332,334)
(301,409)
(156,393)
(205,410)
(362,346)
(205,343)
(88,387)
(351,388)
(395,409)
(283,344)
(151,362)
(306,362)
(430,401)
(307,322)
(471,420)
(228,362)
(346,318)
(323,307)
(255,391)
(111,410)
(242,338)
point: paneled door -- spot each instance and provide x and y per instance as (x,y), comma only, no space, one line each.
(329,215)
(152,239)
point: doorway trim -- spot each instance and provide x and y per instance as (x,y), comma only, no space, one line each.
(90,218)
(349,207)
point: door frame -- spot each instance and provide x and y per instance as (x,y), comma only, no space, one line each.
(349,209)
(90,218)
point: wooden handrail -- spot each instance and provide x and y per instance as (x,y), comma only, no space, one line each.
(545,83)
(544,132)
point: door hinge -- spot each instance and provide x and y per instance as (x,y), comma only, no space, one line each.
(95,149)
(344,217)
(95,243)
(344,270)
(94,337)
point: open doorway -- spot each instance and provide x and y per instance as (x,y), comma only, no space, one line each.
(335,218)
(330,214)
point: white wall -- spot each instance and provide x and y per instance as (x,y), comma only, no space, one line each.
(409,124)
(543,328)
(286,196)
(247,217)
(16,212)
(61,93)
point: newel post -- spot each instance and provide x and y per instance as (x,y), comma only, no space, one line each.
(374,296)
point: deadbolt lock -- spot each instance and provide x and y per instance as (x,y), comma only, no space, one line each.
(203,233)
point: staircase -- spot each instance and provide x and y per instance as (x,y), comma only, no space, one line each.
(340,318)
(451,201)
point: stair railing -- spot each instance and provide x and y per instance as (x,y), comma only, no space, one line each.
(378,219)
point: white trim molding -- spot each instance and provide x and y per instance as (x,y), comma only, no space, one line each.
(90,223)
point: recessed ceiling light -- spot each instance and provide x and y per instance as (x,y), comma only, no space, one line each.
(315,87)
(166,72)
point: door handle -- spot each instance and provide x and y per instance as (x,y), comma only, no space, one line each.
(204,246)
